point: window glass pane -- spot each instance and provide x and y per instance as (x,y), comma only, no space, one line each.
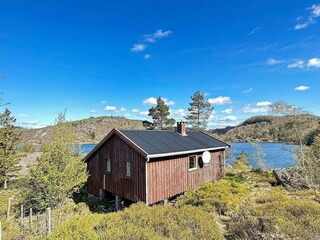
(128,169)
(108,165)
(192,162)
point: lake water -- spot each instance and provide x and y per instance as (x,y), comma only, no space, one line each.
(277,155)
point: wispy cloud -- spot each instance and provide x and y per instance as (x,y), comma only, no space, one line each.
(301,88)
(144,114)
(297,64)
(178,113)
(93,111)
(103,102)
(227,111)
(263,104)
(259,107)
(272,61)
(157,35)
(254,31)
(222,100)
(248,90)
(135,110)
(149,38)
(138,47)
(314,13)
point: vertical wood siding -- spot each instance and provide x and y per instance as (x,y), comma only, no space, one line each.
(133,188)
(168,177)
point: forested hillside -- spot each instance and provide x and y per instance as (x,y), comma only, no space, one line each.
(270,128)
(88,130)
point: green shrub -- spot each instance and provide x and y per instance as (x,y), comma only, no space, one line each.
(222,195)
(276,215)
(141,222)
(160,222)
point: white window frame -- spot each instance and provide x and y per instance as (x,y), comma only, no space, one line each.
(126,169)
(195,161)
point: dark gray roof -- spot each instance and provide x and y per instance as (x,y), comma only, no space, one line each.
(163,142)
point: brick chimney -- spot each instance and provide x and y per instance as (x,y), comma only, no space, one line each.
(181,128)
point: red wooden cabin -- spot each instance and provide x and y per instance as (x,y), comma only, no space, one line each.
(151,166)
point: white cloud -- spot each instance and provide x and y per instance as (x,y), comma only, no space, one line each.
(300,26)
(143,113)
(180,112)
(315,10)
(135,110)
(220,100)
(263,104)
(150,101)
(153,101)
(248,90)
(229,118)
(272,61)
(302,88)
(138,47)
(227,111)
(93,111)
(110,108)
(103,102)
(157,35)
(314,62)
(314,13)
(122,109)
(249,109)
(297,64)
(30,123)
(147,56)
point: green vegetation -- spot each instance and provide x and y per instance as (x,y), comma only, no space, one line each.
(271,129)
(160,114)
(89,130)
(9,151)
(59,171)
(199,111)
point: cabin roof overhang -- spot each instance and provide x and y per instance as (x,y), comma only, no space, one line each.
(143,152)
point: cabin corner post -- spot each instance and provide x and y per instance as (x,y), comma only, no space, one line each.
(147,197)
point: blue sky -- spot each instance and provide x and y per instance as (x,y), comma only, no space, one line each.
(115,57)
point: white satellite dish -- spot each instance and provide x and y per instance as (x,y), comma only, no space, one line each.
(206,157)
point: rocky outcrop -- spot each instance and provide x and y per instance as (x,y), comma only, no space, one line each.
(290,178)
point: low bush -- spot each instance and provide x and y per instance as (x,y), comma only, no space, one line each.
(276,215)
(221,195)
(141,222)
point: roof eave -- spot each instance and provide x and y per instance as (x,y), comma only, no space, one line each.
(158,155)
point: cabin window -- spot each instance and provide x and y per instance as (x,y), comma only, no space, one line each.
(192,163)
(128,169)
(108,162)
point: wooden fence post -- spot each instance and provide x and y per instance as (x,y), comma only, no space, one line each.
(48,220)
(9,207)
(30,219)
(0,232)
(21,213)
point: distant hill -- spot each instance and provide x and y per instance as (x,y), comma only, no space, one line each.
(269,129)
(89,130)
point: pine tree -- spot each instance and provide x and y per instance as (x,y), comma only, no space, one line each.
(199,111)
(9,152)
(59,171)
(160,114)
